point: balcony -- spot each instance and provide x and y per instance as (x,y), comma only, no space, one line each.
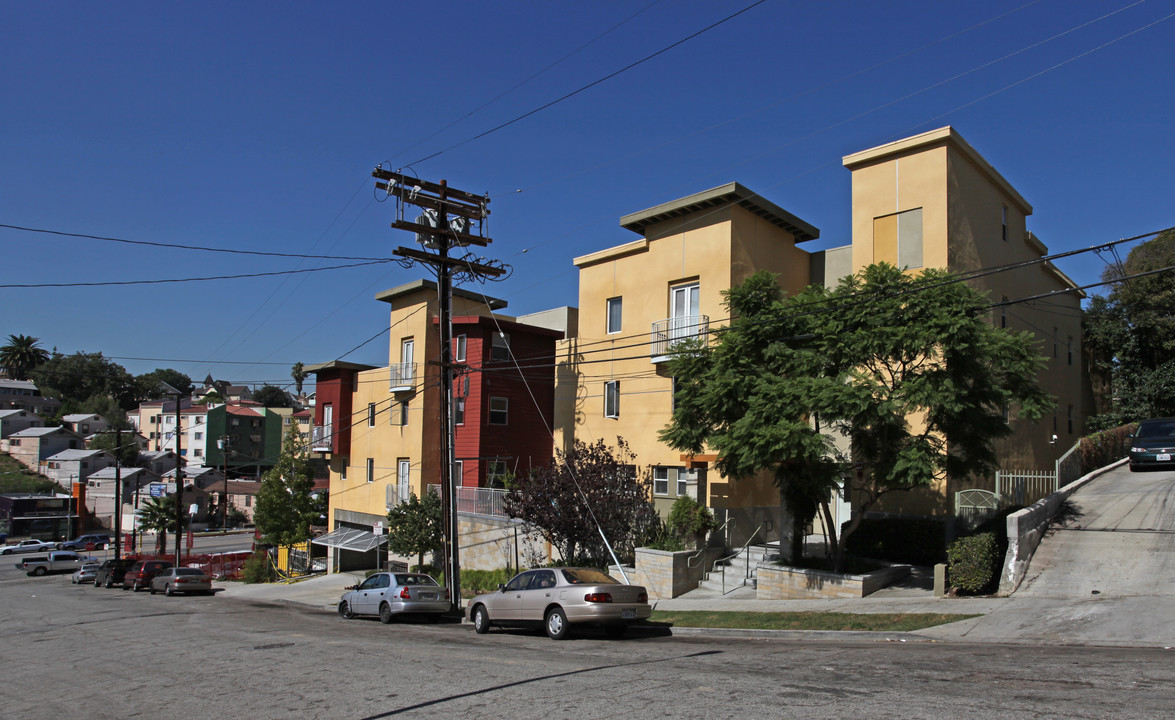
(397,494)
(322,439)
(478,500)
(403,377)
(674,331)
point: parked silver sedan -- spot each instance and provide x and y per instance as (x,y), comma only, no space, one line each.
(85,574)
(186,580)
(389,594)
(557,598)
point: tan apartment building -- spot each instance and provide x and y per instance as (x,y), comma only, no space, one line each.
(926,201)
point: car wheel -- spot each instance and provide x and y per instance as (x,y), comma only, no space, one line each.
(385,613)
(481,620)
(96,583)
(1134,468)
(556,624)
(152,588)
(38,571)
(135,587)
(345,611)
(109,583)
(168,590)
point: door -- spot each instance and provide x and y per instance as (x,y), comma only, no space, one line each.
(403,479)
(507,604)
(370,593)
(328,425)
(683,312)
(538,595)
(407,359)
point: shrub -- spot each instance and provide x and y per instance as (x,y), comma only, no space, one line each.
(689,520)
(476,582)
(918,541)
(257,568)
(973,563)
(1102,448)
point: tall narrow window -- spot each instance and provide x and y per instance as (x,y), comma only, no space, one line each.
(499,411)
(496,473)
(459,411)
(1004,223)
(1004,313)
(370,469)
(612,399)
(459,472)
(370,414)
(459,343)
(403,477)
(1070,419)
(1056,341)
(403,413)
(614,315)
(1069,350)
(501,347)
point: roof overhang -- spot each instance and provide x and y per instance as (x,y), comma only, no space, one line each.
(351,539)
(729,194)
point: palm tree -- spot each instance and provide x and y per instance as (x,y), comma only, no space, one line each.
(298,372)
(158,514)
(21,355)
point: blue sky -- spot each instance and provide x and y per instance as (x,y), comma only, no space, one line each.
(255,126)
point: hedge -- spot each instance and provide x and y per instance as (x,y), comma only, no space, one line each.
(1103,448)
(972,563)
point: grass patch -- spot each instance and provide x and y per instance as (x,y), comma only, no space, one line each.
(16,478)
(872,622)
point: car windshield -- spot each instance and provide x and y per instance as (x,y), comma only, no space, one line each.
(585,576)
(415,580)
(1156,428)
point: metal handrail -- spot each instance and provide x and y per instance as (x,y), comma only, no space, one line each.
(696,556)
(744,547)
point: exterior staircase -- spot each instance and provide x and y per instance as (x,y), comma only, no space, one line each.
(735,575)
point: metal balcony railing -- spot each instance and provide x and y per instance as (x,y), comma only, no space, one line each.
(320,440)
(403,377)
(675,330)
(397,494)
(478,500)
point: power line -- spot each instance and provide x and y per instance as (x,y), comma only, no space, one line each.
(176,246)
(194,279)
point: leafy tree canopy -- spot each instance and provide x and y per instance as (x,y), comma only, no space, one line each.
(147,384)
(415,526)
(77,378)
(127,453)
(861,360)
(272,396)
(1130,334)
(587,485)
(285,509)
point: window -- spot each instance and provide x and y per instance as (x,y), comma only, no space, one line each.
(286,421)
(614,315)
(1069,350)
(248,501)
(370,469)
(1056,341)
(459,411)
(343,472)
(496,473)
(199,420)
(684,477)
(1070,419)
(1004,312)
(660,481)
(499,410)
(198,436)
(459,472)
(370,414)
(612,399)
(897,239)
(459,348)
(1004,223)
(403,477)
(501,347)
(402,416)
(685,319)
(198,452)
(168,419)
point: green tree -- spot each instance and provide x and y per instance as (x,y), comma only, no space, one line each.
(906,366)
(299,373)
(272,396)
(285,510)
(78,378)
(147,384)
(127,453)
(21,355)
(157,514)
(1130,335)
(414,526)
(588,490)
(749,397)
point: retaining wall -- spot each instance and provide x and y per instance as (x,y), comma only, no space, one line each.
(780,582)
(1027,527)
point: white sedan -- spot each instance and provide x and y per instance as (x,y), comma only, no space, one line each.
(389,594)
(28,546)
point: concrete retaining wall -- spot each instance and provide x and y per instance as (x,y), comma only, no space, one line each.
(1026,528)
(780,582)
(669,574)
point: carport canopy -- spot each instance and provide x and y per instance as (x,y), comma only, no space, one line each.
(351,539)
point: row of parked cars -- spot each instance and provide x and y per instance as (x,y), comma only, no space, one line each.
(93,541)
(154,575)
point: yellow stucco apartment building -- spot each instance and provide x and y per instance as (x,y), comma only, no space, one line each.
(926,201)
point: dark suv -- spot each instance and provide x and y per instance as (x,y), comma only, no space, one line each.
(96,541)
(140,574)
(111,572)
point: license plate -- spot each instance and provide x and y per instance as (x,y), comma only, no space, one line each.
(428,596)
(628,614)
(1163,457)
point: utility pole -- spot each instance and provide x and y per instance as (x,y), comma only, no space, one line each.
(436,231)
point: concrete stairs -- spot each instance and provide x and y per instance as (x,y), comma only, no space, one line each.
(730,576)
